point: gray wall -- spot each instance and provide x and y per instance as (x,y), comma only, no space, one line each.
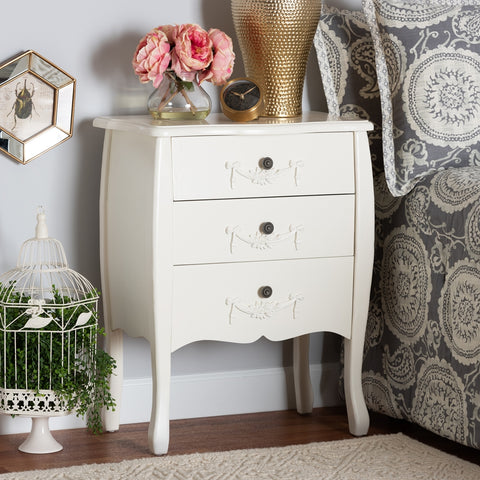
(94,40)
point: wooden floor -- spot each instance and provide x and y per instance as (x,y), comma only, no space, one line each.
(212,434)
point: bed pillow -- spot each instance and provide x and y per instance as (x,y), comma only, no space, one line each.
(428,69)
(346,59)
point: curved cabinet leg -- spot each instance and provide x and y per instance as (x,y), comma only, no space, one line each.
(114,346)
(358,418)
(114,337)
(301,374)
(159,428)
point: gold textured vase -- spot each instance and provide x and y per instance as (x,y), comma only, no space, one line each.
(275,38)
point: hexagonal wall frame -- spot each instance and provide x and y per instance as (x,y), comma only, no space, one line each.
(36,106)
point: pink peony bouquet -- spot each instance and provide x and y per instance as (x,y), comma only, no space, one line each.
(187,50)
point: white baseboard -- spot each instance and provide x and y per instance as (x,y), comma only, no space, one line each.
(206,395)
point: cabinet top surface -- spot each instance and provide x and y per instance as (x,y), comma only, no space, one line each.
(218,124)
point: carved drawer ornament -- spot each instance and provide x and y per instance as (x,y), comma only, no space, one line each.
(262,309)
(261,176)
(262,241)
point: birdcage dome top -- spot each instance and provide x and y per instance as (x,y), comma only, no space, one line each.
(42,273)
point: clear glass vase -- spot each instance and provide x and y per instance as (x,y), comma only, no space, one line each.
(177,99)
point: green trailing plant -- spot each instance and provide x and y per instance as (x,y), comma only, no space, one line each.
(88,391)
(60,356)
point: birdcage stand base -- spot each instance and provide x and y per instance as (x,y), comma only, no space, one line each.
(40,439)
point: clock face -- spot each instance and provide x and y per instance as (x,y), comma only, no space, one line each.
(241,95)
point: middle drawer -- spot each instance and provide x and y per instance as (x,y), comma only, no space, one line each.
(218,231)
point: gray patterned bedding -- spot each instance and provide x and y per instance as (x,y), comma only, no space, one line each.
(422,348)
(423,336)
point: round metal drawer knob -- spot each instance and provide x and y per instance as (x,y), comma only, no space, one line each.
(265,292)
(267,228)
(266,163)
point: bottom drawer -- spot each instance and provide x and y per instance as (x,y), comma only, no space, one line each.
(223,301)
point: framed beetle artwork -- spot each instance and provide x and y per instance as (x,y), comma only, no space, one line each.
(36,106)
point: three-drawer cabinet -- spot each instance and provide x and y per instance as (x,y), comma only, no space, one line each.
(226,231)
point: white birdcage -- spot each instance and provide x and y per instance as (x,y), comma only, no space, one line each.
(48,323)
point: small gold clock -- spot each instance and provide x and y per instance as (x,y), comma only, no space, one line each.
(241,100)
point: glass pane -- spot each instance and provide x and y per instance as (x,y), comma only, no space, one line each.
(11,145)
(43,142)
(49,72)
(13,69)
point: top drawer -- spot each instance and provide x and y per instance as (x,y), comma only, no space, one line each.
(232,166)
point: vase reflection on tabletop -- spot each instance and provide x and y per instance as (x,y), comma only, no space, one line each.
(177,99)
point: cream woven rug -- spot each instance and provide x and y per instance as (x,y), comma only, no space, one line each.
(380,457)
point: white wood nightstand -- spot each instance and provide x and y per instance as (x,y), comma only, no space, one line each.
(226,231)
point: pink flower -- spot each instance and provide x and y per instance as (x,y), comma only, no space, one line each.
(152,57)
(221,67)
(186,49)
(192,51)
(170,31)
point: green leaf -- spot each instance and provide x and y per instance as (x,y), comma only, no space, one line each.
(36,359)
(187,85)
